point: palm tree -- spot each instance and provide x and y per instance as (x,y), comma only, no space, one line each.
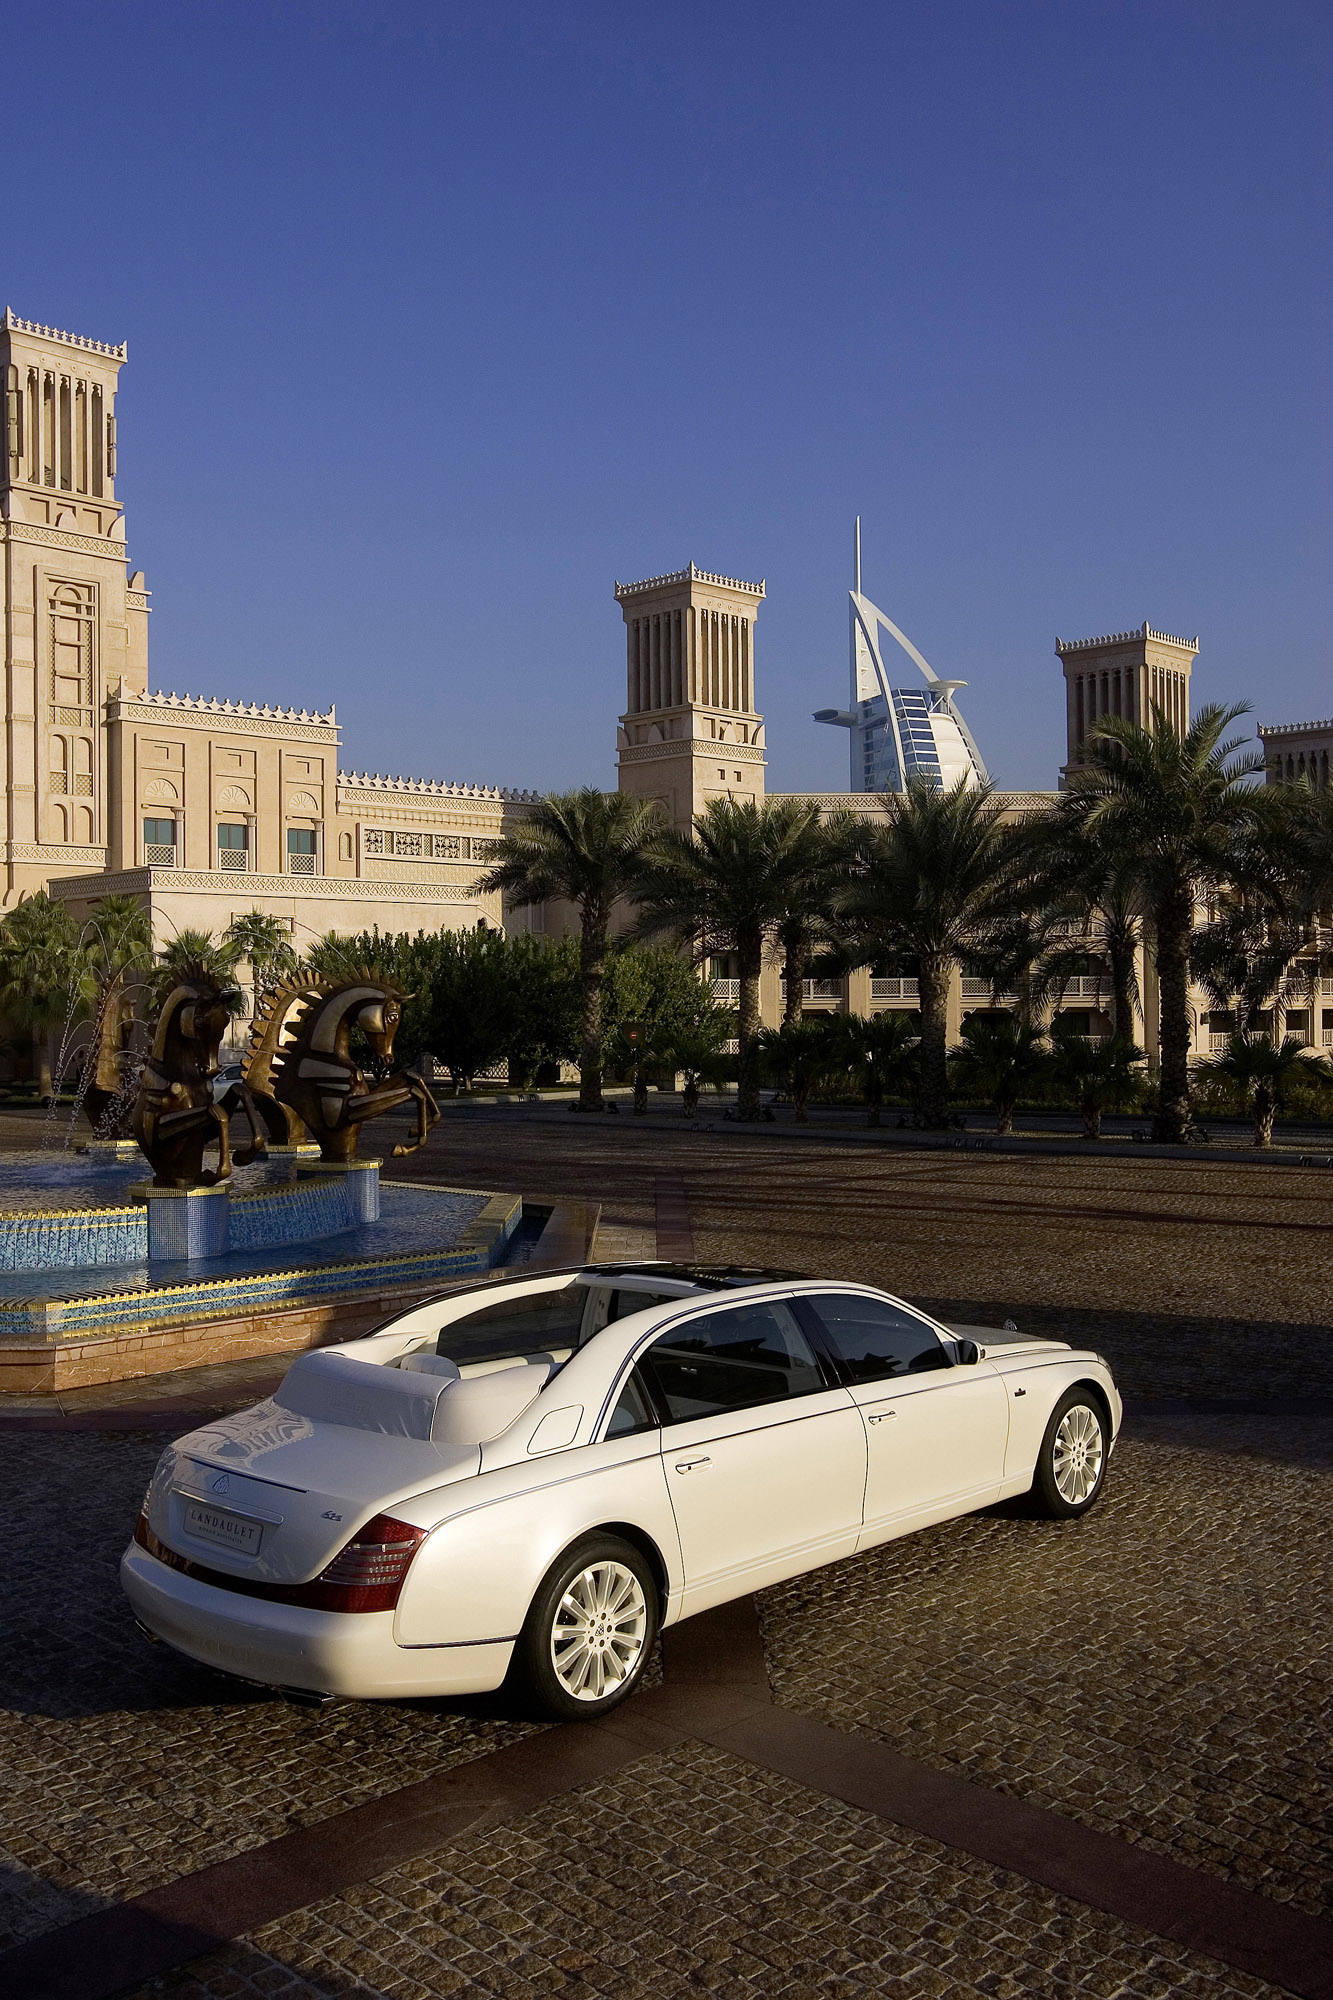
(726,887)
(936,884)
(1174,808)
(883,1050)
(696,1052)
(585,848)
(800,1052)
(1264,1069)
(194,952)
(40,976)
(117,936)
(805,925)
(999,1058)
(1098,1075)
(266,944)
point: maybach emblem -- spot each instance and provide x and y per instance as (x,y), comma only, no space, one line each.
(222,1484)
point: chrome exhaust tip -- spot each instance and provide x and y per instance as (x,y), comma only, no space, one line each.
(306,1697)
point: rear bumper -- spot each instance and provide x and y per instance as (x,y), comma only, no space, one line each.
(285,1645)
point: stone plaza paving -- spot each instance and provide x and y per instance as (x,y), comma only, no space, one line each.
(1153,1678)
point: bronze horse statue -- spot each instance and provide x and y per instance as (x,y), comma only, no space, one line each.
(302,1071)
(175,1117)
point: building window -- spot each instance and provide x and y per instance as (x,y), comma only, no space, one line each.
(372,842)
(159,843)
(344,846)
(72,618)
(300,850)
(233,847)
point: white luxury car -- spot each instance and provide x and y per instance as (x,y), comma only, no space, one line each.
(534,1476)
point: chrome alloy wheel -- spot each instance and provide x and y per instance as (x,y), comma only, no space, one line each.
(599,1629)
(1077,1454)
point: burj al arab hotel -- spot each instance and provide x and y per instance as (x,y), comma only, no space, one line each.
(899,733)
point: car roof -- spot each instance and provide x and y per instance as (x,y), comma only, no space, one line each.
(708,1277)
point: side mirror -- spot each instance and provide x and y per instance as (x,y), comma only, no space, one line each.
(965,1353)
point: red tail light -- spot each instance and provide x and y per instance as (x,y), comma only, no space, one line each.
(367,1574)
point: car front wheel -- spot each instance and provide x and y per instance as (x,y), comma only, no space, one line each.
(589,1631)
(1071,1467)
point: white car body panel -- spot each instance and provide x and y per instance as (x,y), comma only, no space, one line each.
(721,1504)
(476,1575)
(758,1502)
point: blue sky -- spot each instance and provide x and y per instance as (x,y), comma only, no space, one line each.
(443,317)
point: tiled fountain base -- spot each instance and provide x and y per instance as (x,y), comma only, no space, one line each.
(123,1321)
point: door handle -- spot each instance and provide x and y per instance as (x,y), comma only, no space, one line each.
(688,1464)
(881,1416)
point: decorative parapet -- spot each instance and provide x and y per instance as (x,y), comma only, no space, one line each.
(690,574)
(1145,631)
(122,699)
(404,887)
(1293,728)
(430,788)
(13,324)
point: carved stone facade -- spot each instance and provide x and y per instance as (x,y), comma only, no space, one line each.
(205,808)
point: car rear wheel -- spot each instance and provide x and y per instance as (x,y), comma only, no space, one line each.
(589,1631)
(1071,1467)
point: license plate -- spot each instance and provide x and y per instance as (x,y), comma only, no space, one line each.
(227,1529)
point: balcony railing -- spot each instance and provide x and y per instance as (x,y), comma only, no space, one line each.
(980,989)
(156,855)
(300,864)
(726,991)
(236,859)
(893,989)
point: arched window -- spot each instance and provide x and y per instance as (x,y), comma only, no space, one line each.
(344,846)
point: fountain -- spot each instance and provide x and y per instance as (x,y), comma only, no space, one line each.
(102,1269)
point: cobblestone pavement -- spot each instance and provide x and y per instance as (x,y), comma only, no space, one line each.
(1157,1670)
(1152,1670)
(692,1873)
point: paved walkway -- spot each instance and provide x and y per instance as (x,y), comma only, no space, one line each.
(1001,1757)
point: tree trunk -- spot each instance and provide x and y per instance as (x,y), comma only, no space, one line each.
(1265,1105)
(749,959)
(800,1096)
(793,964)
(1092,1120)
(1122,991)
(1004,1118)
(872,1109)
(933,1088)
(592,972)
(640,1094)
(1174,1121)
(689,1102)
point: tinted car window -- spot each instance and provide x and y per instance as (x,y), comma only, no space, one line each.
(623,1303)
(876,1340)
(633,1412)
(516,1326)
(732,1360)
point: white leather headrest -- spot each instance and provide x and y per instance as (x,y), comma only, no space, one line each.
(479,1407)
(426,1363)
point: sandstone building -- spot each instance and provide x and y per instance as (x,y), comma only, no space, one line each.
(206,808)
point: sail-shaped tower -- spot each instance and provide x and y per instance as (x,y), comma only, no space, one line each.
(899,733)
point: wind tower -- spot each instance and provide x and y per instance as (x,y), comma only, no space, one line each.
(690,731)
(1134,674)
(75,623)
(898,733)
